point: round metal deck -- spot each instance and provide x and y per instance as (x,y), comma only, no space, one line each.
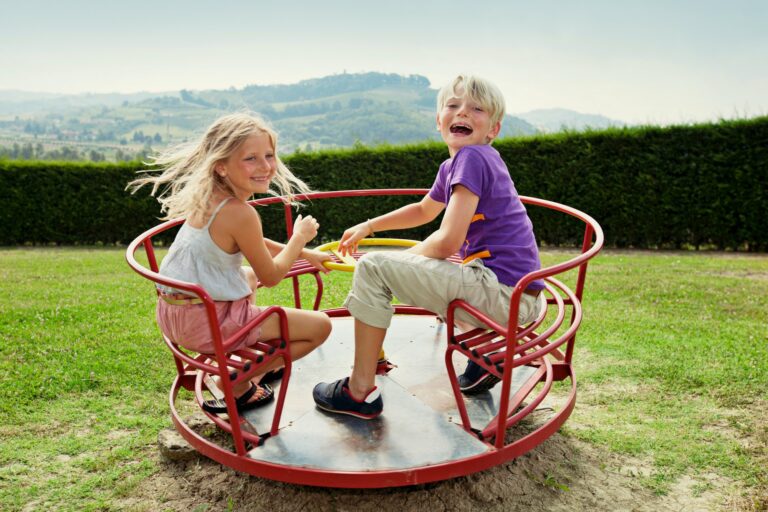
(421,435)
(420,426)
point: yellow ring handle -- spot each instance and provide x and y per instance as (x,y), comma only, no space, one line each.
(349,261)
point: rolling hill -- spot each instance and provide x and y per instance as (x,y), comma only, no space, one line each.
(329,112)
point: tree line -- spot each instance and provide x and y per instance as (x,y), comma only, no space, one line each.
(29,151)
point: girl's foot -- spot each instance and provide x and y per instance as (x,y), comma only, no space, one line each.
(272,375)
(256,396)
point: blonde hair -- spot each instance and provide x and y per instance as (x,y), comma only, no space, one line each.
(477,89)
(187,170)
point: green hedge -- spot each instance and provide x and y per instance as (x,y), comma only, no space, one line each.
(649,187)
(71,203)
(697,186)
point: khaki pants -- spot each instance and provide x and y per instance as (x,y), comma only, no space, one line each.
(431,284)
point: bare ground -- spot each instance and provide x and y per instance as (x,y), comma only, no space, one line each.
(562,474)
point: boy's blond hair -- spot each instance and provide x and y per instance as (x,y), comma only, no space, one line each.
(477,89)
(187,170)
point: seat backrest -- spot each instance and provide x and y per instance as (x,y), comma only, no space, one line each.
(554,326)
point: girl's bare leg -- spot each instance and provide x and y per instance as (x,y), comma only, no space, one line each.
(307,330)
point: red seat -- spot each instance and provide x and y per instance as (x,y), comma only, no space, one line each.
(194,370)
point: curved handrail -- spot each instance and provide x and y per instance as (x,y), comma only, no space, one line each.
(332,194)
(525,280)
(592,243)
(522,284)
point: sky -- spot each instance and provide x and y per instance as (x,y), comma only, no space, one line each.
(649,62)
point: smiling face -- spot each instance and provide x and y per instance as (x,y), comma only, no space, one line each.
(463,121)
(251,167)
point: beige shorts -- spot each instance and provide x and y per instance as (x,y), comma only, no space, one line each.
(431,284)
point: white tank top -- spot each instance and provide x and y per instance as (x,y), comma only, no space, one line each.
(194,257)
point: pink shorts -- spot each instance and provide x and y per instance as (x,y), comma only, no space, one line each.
(187,325)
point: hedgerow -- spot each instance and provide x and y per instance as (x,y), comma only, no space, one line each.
(649,187)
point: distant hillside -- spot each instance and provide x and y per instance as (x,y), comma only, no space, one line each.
(14,102)
(551,120)
(337,110)
(328,112)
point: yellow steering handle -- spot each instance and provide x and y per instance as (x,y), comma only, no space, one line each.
(349,261)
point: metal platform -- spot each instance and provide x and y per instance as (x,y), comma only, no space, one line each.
(420,425)
(420,437)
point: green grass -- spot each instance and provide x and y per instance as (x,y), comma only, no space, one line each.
(671,361)
(678,363)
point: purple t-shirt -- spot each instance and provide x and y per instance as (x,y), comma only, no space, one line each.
(501,232)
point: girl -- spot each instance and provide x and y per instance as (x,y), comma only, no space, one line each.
(209,183)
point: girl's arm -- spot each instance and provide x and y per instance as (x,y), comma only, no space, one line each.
(273,247)
(315,258)
(244,226)
(452,233)
(408,216)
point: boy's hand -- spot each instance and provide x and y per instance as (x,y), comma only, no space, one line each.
(306,227)
(316,259)
(352,236)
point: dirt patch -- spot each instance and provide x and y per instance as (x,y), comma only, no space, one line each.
(563,474)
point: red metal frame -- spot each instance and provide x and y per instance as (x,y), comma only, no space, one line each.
(499,350)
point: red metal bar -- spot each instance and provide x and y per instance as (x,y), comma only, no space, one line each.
(151,255)
(519,340)
(319,293)
(588,232)
(515,402)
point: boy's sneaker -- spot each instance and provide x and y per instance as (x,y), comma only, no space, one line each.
(335,397)
(476,379)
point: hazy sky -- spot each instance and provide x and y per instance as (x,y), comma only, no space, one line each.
(655,61)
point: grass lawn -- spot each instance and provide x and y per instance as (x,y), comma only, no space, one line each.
(671,361)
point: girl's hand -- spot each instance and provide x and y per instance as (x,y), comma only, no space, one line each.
(350,238)
(306,227)
(316,259)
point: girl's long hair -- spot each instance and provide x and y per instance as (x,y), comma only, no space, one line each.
(187,179)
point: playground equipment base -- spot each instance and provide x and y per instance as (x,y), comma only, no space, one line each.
(420,426)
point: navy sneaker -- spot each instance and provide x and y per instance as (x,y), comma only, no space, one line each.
(335,397)
(476,379)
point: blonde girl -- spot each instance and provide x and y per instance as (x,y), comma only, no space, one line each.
(209,183)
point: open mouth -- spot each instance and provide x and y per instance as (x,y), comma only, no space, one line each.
(461,129)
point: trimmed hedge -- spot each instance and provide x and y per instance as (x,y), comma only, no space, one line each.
(649,187)
(71,203)
(697,186)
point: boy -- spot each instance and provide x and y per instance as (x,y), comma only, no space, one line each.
(484,217)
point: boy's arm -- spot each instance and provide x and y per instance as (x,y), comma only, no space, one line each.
(409,216)
(452,233)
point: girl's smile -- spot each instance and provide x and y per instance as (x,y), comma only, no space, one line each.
(250,169)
